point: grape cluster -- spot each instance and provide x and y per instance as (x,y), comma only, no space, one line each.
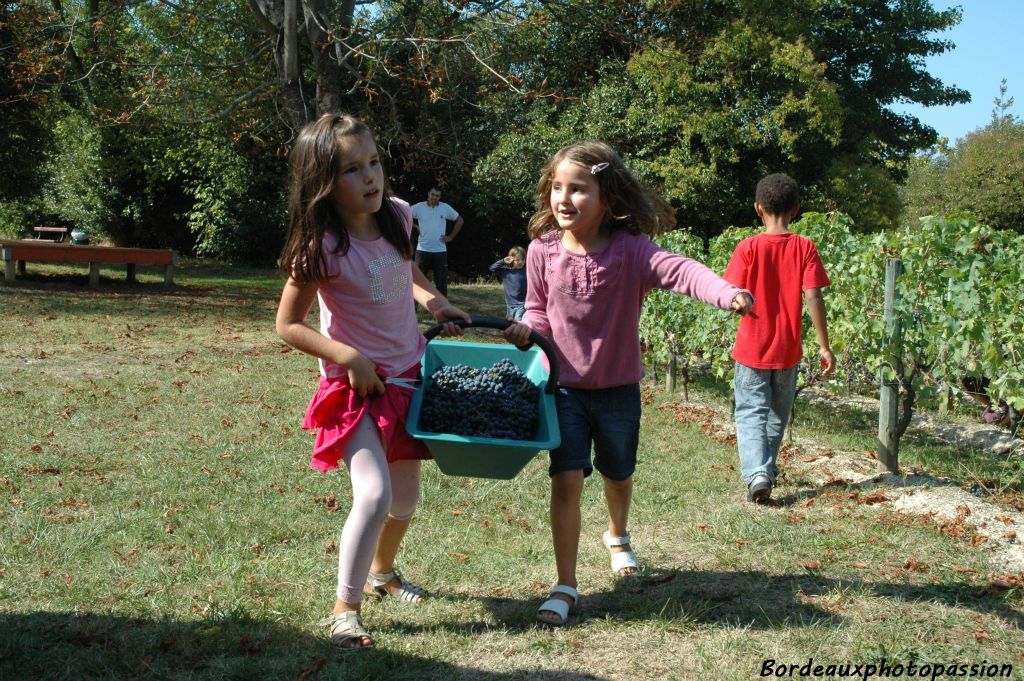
(496,402)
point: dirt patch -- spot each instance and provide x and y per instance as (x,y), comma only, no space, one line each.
(953,510)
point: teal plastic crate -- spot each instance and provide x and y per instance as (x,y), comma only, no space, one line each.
(481,457)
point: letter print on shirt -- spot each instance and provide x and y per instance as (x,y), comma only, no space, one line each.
(380,293)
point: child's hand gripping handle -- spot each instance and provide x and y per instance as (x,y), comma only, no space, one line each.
(483,322)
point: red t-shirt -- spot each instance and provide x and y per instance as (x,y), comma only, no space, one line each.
(776,269)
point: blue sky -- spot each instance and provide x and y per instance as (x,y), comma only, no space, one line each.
(988,42)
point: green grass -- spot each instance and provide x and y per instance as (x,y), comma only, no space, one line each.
(160,521)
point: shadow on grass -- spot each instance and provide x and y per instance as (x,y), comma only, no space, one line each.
(761,600)
(746,599)
(56,646)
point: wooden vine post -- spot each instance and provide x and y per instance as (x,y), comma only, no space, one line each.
(888,440)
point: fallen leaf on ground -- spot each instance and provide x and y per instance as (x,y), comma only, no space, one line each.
(1004,581)
(317,664)
(876,498)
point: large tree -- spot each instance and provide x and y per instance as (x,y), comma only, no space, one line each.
(704,98)
(981,174)
(22,132)
(701,97)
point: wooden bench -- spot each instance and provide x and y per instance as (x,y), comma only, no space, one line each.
(44,251)
(58,232)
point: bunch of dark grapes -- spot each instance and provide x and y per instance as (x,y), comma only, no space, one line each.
(496,402)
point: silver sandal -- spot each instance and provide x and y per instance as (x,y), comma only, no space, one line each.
(407,592)
(347,627)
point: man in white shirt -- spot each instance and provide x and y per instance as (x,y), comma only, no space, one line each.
(431,220)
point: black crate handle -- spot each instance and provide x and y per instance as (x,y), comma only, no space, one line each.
(502,324)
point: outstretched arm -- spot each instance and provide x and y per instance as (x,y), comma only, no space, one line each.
(816,309)
(678,273)
(291,325)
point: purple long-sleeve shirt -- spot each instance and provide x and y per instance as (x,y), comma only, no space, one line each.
(589,305)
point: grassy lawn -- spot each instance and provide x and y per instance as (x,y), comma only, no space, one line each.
(160,521)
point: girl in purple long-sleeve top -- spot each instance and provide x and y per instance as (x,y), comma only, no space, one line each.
(589,266)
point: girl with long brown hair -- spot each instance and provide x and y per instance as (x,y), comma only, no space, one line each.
(349,249)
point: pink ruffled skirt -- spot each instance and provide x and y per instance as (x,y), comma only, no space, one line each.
(336,409)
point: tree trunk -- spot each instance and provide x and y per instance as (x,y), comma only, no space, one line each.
(279,19)
(330,78)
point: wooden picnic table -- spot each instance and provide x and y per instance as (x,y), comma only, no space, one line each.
(58,232)
(18,252)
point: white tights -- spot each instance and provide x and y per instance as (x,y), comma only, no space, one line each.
(379,489)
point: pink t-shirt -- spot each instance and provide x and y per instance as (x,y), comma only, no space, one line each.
(590,304)
(366,302)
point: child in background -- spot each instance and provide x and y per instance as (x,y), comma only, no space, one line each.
(1003,414)
(512,271)
(349,248)
(590,263)
(778,267)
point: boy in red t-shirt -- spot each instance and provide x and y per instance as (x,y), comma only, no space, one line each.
(778,268)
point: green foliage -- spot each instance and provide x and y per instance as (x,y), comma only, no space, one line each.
(704,101)
(962,301)
(22,132)
(868,194)
(77,190)
(668,324)
(982,174)
(681,326)
(874,53)
(960,305)
(18,216)
(986,176)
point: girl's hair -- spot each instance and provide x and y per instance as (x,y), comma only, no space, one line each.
(518,255)
(314,166)
(628,204)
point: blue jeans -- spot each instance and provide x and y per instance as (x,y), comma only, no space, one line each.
(764,399)
(607,419)
(515,312)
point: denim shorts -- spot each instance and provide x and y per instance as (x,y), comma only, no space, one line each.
(607,419)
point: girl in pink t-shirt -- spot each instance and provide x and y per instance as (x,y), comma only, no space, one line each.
(589,266)
(349,248)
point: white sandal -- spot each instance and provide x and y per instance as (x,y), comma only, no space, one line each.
(558,606)
(407,592)
(621,560)
(346,628)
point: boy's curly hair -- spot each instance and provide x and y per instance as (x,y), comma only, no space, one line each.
(778,194)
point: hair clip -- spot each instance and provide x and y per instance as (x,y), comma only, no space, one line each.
(598,167)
